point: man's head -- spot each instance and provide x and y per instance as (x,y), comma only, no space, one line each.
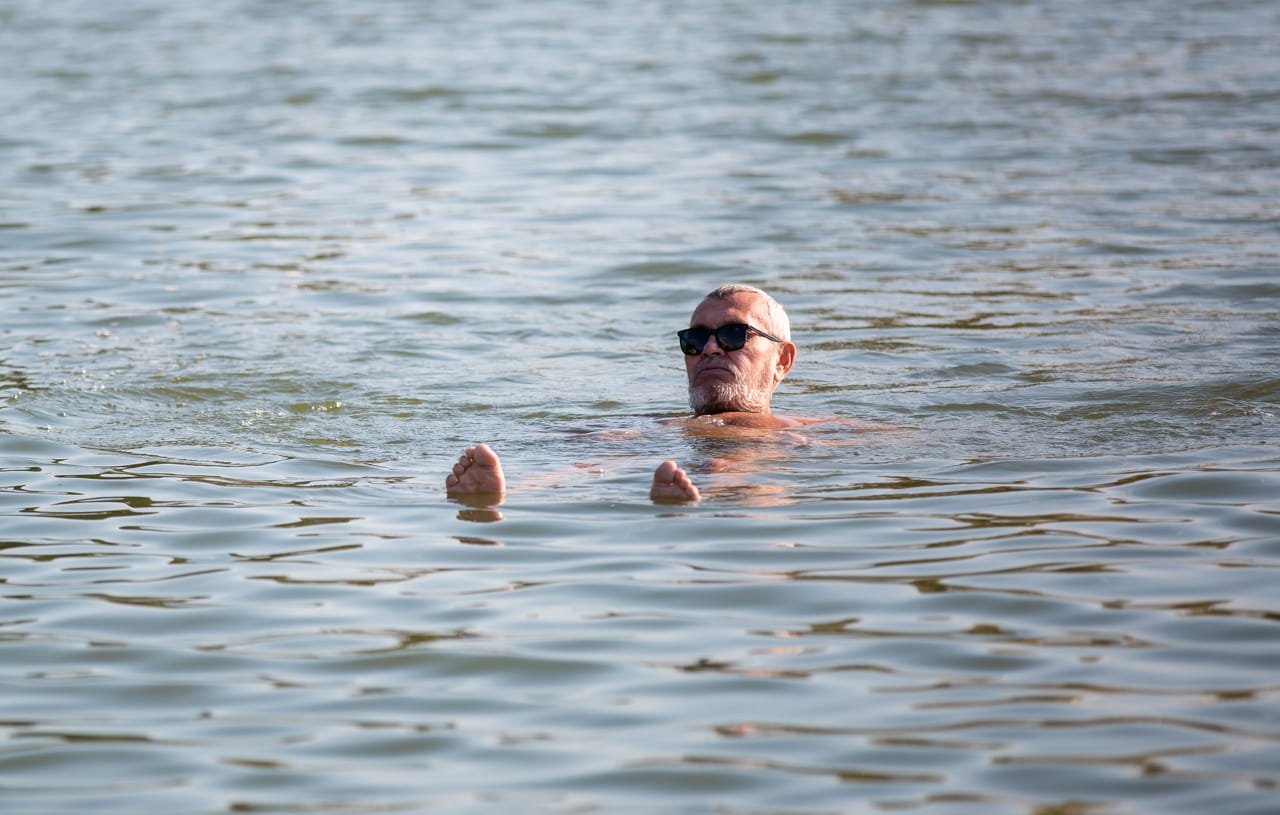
(738,379)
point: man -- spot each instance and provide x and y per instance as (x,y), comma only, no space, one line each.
(737,349)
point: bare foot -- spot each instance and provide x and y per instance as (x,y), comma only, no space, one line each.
(477,475)
(672,484)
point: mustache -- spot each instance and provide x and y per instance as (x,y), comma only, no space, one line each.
(713,363)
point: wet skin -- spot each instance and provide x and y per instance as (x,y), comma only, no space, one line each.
(478,472)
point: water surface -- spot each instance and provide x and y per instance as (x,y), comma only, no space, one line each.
(266,267)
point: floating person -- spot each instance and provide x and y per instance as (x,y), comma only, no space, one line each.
(737,349)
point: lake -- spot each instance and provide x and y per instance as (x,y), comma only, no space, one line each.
(268,266)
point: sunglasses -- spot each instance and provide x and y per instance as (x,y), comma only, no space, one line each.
(729,337)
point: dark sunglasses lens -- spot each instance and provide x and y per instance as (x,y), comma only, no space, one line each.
(693,340)
(731,337)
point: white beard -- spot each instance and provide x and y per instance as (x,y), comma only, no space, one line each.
(721,397)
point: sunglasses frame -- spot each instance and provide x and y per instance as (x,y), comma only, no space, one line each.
(748,330)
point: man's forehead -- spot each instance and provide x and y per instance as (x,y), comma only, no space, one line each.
(747,305)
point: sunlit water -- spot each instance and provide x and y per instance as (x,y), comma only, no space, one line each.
(267,267)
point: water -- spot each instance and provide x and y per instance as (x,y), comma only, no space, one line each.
(266,267)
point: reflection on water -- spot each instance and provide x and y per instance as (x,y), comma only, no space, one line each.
(265,268)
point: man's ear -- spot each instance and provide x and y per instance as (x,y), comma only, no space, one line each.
(786,358)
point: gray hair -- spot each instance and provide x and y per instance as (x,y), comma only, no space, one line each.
(779,323)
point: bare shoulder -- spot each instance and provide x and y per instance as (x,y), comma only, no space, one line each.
(778,421)
(844,422)
(758,424)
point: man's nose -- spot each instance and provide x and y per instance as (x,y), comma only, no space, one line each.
(707,349)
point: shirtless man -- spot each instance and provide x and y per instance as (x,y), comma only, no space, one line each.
(737,349)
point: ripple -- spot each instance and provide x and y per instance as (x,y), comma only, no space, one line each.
(269,266)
